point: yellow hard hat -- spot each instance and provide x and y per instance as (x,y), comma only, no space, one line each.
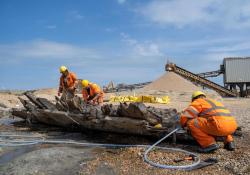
(158,125)
(63,69)
(197,93)
(85,83)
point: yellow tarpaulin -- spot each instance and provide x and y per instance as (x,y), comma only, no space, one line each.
(142,98)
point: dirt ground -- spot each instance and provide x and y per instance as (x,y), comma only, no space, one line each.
(65,159)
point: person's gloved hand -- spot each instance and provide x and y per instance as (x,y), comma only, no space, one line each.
(177,117)
(177,121)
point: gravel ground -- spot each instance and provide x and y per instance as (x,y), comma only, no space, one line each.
(130,161)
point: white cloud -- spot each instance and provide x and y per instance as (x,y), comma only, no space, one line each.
(44,49)
(229,14)
(50,26)
(146,49)
(121,1)
(236,47)
(110,29)
(76,15)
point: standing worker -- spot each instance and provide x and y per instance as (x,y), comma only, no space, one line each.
(208,119)
(67,86)
(91,92)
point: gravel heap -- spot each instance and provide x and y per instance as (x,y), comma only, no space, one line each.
(170,81)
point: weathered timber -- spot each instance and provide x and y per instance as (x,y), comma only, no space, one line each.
(133,118)
(111,124)
(47,104)
(21,113)
(28,105)
(34,100)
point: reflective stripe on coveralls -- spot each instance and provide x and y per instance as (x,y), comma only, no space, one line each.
(70,81)
(213,119)
(94,89)
(214,107)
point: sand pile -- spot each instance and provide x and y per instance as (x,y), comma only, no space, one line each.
(170,81)
(176,87)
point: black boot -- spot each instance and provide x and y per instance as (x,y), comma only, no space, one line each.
(209,149)
(230,146)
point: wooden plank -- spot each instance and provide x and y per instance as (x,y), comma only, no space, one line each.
(34,100)
(29,106)
(21,113)
(47,103)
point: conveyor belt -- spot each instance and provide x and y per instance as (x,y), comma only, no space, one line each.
(199,80)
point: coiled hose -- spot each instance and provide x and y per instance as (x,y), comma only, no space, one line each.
(5,142)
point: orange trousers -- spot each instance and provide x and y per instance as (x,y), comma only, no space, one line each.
(204,131)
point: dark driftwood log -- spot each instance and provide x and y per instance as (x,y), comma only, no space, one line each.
(21,113)
(139,111)
(134,118)
(47,104)
(107,123)
(28,105)
(34,100)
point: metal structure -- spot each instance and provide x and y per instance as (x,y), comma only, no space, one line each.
(211,74)
(200,80)
(124,87)
(237,74)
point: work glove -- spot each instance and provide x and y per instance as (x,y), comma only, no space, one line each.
(177,117)
(177,121)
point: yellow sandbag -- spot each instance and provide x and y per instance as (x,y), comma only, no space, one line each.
(142,98)
(146,99)
(163,100)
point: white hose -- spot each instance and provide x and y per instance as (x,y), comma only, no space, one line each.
(183,167)
(43,141)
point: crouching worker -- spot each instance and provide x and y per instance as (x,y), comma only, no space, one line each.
(67,86)
(92,93)
(207,119)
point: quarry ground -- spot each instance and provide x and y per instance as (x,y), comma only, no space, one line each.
(68,159)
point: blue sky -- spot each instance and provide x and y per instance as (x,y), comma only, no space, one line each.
(121,40)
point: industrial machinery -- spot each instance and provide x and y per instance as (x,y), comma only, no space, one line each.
(237,74)
(124,87)
(212,73)
(200,80)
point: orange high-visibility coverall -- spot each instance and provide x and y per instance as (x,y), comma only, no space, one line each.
(67,82)
(206,119)
(94,90)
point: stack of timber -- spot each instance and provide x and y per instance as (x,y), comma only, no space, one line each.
(132,118)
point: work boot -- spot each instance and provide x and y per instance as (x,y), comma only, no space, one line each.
(209,149)
(230,146)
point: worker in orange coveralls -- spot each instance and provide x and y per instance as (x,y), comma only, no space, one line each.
(67,85)
(91,92)
(208,119)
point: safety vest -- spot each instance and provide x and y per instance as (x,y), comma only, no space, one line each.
(203,107)
(68,81)
(216,110)
(93,90)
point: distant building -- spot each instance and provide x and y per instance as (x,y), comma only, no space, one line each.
(237,74)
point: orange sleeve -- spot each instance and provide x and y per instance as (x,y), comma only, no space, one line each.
(74,77)
(191,112)
(96,89)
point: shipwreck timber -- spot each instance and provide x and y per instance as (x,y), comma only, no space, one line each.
(133,118)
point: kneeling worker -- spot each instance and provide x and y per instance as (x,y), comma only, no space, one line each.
(67,86)
(91,92)
(208,119)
